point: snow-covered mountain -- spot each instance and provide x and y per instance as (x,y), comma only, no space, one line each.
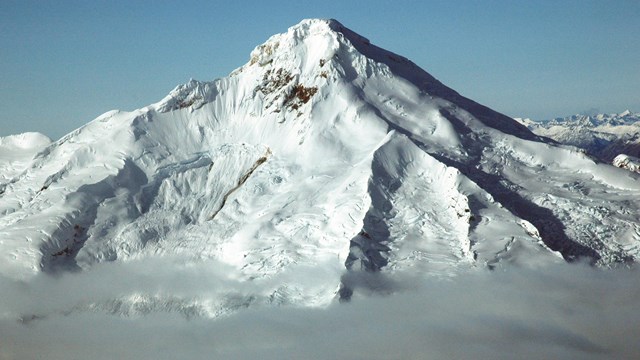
(322,158)
(17,152)
(604,136)
(630,163)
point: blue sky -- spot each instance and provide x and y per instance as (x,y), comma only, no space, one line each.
(63,63)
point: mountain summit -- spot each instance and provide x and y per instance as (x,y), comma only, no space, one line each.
(323,152)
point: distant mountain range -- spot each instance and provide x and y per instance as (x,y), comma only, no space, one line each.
(604,136)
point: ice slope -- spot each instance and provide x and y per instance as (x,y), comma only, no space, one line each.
(323,157)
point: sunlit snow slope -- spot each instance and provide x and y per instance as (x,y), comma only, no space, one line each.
(322,152)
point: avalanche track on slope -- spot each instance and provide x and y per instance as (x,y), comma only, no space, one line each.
(323,151)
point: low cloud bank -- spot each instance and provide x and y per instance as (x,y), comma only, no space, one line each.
(564,311)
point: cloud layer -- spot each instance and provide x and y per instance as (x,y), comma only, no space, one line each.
(566,311)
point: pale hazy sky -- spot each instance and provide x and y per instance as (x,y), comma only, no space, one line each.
(63,63)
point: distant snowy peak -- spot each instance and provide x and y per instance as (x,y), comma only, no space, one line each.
(16,153)
(603,136)
(630,163)
(624,118)
(24,142)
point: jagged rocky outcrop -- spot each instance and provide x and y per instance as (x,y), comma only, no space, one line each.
(630,163)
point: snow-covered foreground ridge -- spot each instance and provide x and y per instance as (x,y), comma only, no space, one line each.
(323,152)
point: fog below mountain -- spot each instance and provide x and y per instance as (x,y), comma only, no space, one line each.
(563,311)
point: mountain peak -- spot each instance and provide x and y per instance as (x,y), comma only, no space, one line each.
(305,50)
(311,41)
(323,150)
(310,27)
(317,24)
